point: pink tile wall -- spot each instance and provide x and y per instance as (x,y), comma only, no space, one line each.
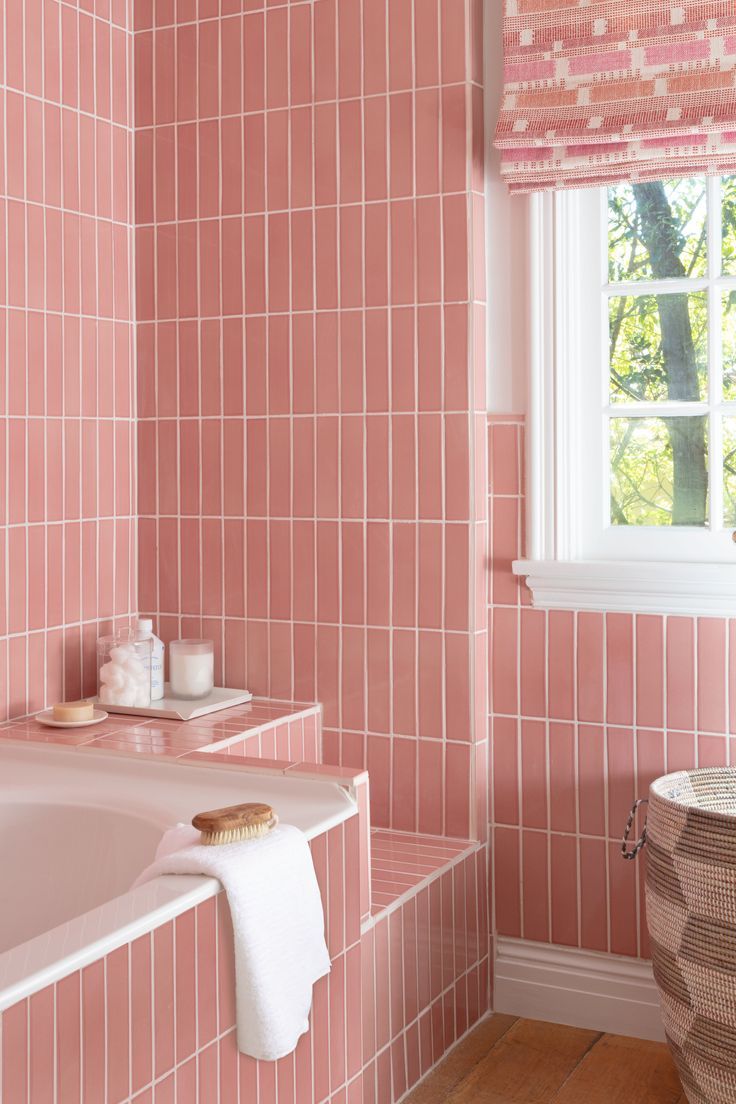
(67,501)
(311,378)
(586,710)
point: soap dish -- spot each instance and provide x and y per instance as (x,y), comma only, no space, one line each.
(47,718)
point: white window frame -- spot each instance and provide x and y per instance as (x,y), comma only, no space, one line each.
(573,562)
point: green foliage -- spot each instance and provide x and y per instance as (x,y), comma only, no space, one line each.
(628,257)
(638,370)
(659,348)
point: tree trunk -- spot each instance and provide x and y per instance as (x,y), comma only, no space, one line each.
(661,236)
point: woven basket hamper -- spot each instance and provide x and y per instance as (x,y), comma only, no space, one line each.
(691,914)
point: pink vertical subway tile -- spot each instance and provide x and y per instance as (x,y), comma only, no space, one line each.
(564,883)
(454,138)
(533,662)
(15,1043)
(93,1031)
(711,682)
(561,662)
(622,903)
(455,237)
(430,787)
(429,566)
(185,985)
(590,785)
(619,668)
(41,1046)
(68,1054)
(163,998)
(141,1033)
(375,145)
(593,894)
(403,682)
(457,467)
(590,633)
(503,657)
(117,983)
(562,778)
(505,773)
(650,759)
(458,678)
(534,768)
(680,633)
(712,751)
(649,671)
(458,810)
(426,136)
(206,924)
(404,788)
(507,881)
(535,874)
(680,751)
(620,777)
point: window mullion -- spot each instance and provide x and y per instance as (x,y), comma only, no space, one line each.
(715,355)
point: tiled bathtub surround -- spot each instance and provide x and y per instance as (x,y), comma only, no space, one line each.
(154,1020)
(67,504)
(587,709)
(309,207)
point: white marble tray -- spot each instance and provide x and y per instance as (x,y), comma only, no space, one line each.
(181,709)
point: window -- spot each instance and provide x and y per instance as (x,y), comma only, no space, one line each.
(633,396)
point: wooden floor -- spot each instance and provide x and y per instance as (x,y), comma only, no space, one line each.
(510,1061)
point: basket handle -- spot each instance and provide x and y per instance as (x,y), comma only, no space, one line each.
(632,852)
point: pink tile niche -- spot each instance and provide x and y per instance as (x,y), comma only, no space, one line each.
(604,704)
(67,523)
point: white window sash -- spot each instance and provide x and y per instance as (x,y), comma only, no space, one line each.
(576,558)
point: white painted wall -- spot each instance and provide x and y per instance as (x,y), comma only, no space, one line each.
(507,251)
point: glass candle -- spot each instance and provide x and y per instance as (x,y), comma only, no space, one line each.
(124,670)
(191,668)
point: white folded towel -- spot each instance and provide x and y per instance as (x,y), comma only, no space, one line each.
(278,923)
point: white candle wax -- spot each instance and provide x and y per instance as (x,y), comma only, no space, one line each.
(191,674)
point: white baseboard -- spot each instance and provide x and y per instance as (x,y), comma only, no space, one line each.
(580,988)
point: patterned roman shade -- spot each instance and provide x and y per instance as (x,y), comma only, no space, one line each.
(604,90)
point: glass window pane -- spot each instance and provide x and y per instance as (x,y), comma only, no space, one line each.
(728,225)
(659,471)
(657,230)
(659,347)
(729,472)
(728,314)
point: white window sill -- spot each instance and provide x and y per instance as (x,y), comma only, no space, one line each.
(694,589)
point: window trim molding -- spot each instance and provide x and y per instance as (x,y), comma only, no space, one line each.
(635,586)
(556,575)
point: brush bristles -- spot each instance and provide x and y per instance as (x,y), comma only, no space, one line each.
(235,835)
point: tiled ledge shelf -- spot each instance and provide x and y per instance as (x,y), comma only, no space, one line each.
(264,730)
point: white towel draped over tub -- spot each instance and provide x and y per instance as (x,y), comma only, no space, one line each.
(278,924)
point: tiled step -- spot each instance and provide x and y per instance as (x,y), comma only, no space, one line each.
(404,862)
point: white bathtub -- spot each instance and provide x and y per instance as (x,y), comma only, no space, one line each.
(77,828)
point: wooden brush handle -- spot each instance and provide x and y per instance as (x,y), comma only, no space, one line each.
(233,817)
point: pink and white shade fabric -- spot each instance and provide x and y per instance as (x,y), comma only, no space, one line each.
(596,92)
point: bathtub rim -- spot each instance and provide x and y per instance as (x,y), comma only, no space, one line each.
(63,950)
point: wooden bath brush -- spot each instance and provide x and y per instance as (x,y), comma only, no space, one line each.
(234,823)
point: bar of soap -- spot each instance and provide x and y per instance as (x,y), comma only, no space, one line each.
(74,711)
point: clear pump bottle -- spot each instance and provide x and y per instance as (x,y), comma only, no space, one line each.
(144,631)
